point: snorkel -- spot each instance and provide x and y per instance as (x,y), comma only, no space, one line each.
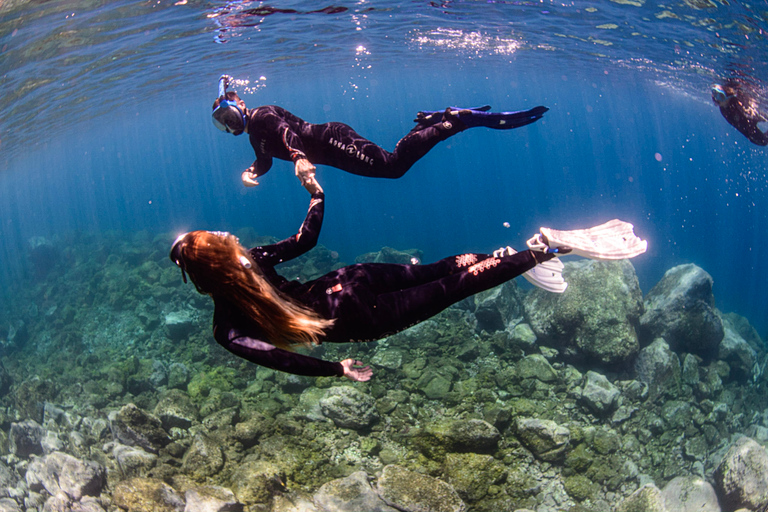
(223,84)
(227,112)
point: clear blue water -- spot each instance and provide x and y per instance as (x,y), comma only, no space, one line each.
(106,125)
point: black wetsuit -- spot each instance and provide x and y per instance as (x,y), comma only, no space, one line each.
(275,132)
(368,301)
(741,111)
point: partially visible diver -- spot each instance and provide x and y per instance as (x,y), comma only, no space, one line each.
(276,133)
(741,110)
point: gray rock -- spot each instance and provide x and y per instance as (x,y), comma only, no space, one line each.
(51,442)
(690,494)
(159,375)
(594,320)
(293,502)
(147,495)
(547,440)
(250,431)
(498,308)
(26,438)
(413,492)
(350,494)
(211,499)
(309,405)
(203,458)
(473,435)
(178,376)
(647,498)
(523,336)
(434,384)
(175,409)
(472,474)
(681,309)
(744,329)
(5,380)
(740,478)
(9,505)
(256,481)
(135,427)
(59,471)
(536,366)
(7,479)
(132,460)
(739,355)
(349,408)
(659,367)
(179,325)
(677,414)
(599,394)
(388,357)
(87,504)
(690,373)
(467,435)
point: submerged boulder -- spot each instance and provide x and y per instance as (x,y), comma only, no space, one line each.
(594,320)
(203,458)
(349,408)
(175,409)
(741,477)
(599,394)
(547,440)
(26,438)
(62,472)
(498,308)
(690,494)
(147,495)
(681,309)
(466,435)
(407,490)
(738,353)
(658,367)
(136,427)
(211,498)
(648,498)
(472,474)
(350,494)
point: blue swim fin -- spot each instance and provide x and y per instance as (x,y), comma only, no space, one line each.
(472,117)
(430,117)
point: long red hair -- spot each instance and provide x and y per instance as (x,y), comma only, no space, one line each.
(221,267)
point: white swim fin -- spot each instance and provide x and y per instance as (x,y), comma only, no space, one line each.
(614,240)
(547,276)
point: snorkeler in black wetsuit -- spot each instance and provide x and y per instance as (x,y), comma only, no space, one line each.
(741,110)
(276,133)
(361,302)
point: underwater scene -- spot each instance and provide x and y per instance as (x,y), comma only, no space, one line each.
(405,357)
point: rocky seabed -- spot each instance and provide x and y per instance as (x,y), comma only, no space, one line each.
(115,398)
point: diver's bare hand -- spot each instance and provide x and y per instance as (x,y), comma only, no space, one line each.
(304,170)
(249,177)
(312,186)
(361,374)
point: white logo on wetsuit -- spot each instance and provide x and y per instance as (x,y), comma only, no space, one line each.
(351,150)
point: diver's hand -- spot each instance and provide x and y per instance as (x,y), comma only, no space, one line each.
(362,374)
(312,186)
(304,170)
(249,177)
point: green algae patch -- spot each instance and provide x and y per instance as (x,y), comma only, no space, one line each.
(202,383)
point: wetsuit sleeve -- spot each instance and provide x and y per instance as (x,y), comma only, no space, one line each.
(262,164)
(298,244)
(267,355)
